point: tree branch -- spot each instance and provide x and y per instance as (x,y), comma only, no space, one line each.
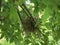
(28,13)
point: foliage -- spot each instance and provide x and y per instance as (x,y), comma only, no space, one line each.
(46,13)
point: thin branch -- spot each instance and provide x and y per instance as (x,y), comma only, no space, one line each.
(28,13)
(20,16)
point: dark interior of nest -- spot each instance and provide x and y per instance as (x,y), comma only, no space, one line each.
(29,25)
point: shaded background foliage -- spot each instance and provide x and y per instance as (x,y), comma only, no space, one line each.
(45,13)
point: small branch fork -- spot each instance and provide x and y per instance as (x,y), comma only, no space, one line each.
(29,16)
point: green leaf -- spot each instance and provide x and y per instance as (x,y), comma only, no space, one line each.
(48,25)
(13,15)
(19,2)
(46,15)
